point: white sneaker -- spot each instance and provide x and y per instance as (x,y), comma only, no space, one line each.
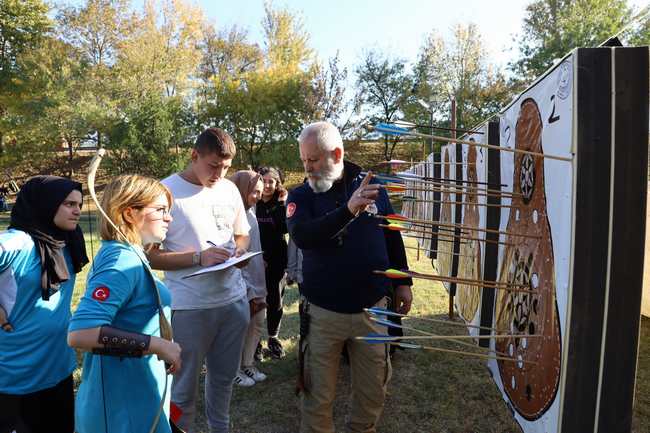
(255,374)
(242,379)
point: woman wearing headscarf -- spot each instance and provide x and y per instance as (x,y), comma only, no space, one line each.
(271,217)
(40,254)
(250,187)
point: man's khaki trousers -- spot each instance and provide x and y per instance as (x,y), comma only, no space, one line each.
(369,364)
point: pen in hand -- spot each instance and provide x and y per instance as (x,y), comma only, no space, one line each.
(229,246)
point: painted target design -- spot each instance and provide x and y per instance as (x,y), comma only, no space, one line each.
(529,261)
(468,295)
(445,247)
(527,177)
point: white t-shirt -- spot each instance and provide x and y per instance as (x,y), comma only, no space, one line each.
(200,215)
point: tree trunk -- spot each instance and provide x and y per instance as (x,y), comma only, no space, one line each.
(70,155)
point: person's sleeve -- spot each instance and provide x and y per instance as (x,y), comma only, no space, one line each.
(109,288)
(9,249)
(394,245)
(310,231)
(240,226)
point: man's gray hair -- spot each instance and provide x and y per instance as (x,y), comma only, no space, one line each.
(325,134)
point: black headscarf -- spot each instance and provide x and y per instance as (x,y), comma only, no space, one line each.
(34,211)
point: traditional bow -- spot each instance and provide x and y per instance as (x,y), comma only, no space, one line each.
(165,327)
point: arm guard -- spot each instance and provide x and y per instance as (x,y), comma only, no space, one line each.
(121,343)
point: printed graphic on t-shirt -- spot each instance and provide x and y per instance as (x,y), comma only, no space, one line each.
(224,216)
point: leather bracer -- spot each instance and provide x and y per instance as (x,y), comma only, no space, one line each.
(121,343)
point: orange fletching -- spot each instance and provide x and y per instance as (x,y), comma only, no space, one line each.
(395,187)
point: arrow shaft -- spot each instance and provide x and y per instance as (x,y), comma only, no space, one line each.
(486,146)
(448,337)
(482,283)
(427,319)
(422,200)
(478,355)
(461,226)
(449,236)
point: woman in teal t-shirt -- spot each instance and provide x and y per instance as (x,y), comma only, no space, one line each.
(124,389)
(39,257)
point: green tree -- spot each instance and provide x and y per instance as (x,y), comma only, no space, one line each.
(260,96)
(457,69)
(163,54)
(552,28)
(23,24)
(327,97)
(384,90)
(149,138)
(286,40)
(47,117)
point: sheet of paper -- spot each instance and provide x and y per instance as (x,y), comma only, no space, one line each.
(225,265)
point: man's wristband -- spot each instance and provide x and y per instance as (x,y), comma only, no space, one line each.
(196,259)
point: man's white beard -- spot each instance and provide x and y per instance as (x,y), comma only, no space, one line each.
(325,179)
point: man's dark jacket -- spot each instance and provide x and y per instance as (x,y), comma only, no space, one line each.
(338,269)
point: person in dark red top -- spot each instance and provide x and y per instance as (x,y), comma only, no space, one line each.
(271,218)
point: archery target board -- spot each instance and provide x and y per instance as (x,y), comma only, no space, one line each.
(446,240)
(429,204)
(570,241)
(472,242)
(480,213)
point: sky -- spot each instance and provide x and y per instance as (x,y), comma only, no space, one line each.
(395,27)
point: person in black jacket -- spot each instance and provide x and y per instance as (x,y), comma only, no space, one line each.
(329,220)
(271,219)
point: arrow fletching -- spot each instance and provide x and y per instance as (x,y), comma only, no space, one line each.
(406,345)
(392,187)
(386,128)
(385,322)
(407,175)
(378,311)
(396,216)
(394,273)
(377,338)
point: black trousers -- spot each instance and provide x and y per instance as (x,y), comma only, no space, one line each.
(46,411)
(274,311)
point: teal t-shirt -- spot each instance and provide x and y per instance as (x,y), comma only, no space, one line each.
(35,355)
(121,394)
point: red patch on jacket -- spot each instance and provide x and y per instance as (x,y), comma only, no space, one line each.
(291,209)
(101,293)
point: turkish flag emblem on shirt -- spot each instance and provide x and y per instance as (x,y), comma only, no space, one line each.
(101,293)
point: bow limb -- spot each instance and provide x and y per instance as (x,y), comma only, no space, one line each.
(164,325)
(92,172)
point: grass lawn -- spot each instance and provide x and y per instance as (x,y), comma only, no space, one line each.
(429,391)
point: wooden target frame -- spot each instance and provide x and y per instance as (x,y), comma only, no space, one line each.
(588,264)
(571,231)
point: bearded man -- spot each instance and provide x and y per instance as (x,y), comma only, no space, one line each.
(328,218)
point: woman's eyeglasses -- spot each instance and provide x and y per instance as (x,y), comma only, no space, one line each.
(160,210)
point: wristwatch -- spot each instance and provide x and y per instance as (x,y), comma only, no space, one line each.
(196,259)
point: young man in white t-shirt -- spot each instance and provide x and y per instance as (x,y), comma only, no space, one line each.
(210,311)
